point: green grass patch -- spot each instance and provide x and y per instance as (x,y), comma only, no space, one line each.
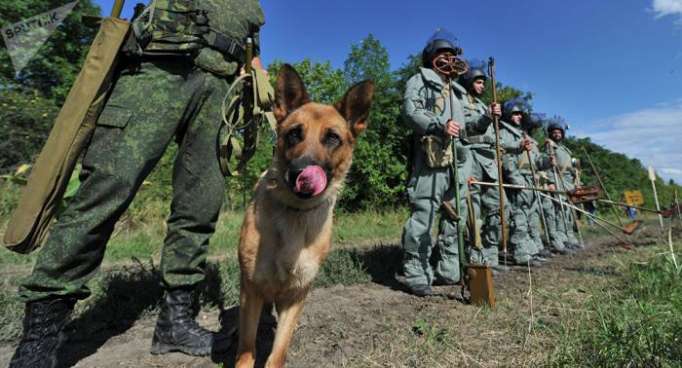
(370,226)
(129,287)
(135,239)
(634,322)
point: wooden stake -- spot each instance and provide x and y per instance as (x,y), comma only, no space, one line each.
(652,177)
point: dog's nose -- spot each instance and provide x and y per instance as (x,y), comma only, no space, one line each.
(300,163)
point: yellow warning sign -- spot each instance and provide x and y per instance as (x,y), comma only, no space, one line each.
(634,197)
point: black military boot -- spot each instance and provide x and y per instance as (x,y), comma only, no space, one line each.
(176,329)
(44,321)
(545,253)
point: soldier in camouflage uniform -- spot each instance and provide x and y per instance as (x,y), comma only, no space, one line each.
(524,239)
(480,139)
(173,91)
(563,234)
(435,119)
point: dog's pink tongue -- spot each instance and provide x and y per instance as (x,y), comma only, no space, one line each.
(312,180)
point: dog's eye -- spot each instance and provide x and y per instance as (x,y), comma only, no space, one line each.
(293,137)
(332,140)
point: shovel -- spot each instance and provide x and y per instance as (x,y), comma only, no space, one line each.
(477,279)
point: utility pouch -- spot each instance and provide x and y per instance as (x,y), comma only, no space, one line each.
(438,152)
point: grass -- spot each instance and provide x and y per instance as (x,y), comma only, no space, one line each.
(129,286)
(136,239)
(635,321)
(633,318)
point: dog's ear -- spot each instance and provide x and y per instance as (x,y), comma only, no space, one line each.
(290,92)
(355,105)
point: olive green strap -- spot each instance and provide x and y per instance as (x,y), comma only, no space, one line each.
(234,113)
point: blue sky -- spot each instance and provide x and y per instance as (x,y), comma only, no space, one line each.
(612,68)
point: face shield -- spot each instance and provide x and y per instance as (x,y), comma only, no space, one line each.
(442,53)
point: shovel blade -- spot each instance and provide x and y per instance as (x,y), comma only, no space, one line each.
(481,285)
(631,227)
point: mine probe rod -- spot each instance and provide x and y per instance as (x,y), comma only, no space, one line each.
(117,8)
(514,186)
(455,183)
(537,195)
(601,184)
(498,154)
(597,220)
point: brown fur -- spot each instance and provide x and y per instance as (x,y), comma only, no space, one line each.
(285,238)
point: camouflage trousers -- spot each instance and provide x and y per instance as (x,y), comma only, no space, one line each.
(146,109)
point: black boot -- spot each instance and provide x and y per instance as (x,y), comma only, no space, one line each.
(176,329)
(44,321)
(545,253)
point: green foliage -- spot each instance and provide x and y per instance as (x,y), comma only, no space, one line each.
(54,68)
(636,323)
(28,117)
(9,197)
(619,173)
(379,172)
(433,336)
(343,267)
(30,101)
(323,83)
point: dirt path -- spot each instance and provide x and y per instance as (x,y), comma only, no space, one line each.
(375,325)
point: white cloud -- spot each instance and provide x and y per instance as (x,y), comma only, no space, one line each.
(653,135)
(667,7)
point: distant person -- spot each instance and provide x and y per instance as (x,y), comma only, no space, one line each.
(480,140)
(524,232)
(565,181)
(631,212)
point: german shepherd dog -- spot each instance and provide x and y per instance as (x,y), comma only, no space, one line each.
(287,228)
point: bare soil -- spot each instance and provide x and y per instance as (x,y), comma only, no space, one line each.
(379,325)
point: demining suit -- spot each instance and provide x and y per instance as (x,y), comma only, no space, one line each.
(522,157)
(431,100)
(563,178)
(480,140)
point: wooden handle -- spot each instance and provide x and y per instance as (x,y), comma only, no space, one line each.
(117,9)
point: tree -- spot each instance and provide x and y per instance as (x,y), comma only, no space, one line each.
(53,69)
(30,102)
(378,173)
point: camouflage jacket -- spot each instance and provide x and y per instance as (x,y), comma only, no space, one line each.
(201,27)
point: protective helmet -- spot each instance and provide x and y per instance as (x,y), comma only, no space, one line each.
(557,122)
(534,121)
(516,104)
(477,69)
(440,40)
